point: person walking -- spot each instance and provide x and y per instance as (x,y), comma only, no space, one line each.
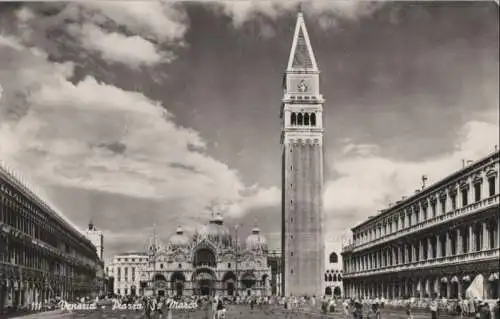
(434,308)
(220,310)
(496,310)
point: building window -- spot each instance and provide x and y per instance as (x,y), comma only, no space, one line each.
(465,240)
(334,258)
(491,185)
(453,202)
(478,237)
(229,265)
(161,266)
(306,119)
(293,119)
(291,271)
(491,235)
(180,265)
(300,119)
(291,253)
(465,197)
(477,192)
(433,209)
(313,119)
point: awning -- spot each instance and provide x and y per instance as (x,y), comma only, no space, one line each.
(454,279)
(444,280)
(466,278)
(493,277)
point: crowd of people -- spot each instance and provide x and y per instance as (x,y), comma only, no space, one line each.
(461,308)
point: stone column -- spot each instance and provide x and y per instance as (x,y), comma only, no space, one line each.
(429,249)
(484,188)
(472,238)
(421,249)
(393,255)
(485,242)
(460,248)
(448,243)
(439,253)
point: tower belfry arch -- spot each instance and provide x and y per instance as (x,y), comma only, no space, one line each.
(302,169)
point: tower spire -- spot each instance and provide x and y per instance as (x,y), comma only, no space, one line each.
(301,55)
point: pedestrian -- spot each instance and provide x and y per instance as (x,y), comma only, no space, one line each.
(434,308)
(496,310)
(458,308)
(220,310)
(147,308)
(409,313)
(324,307)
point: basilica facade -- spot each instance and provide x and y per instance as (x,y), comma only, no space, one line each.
(210,262)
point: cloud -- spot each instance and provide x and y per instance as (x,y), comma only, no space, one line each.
(134,33)
(368,181)
(327,12)
(92,135)
(116,47)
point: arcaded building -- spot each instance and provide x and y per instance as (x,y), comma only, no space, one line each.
(210,262)
(333,276)
(41,255)
(441,241)
(302,240)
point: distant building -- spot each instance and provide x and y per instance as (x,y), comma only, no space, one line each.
(211,262)
(441,241)
(125,272)
(96,237)
(42,256)
(333,276)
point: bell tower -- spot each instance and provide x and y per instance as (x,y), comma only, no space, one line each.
(301,115)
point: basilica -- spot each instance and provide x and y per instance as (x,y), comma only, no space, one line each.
(210,262)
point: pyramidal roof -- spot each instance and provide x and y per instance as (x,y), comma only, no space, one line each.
(301,56)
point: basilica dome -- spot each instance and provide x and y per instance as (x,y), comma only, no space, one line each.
(179,239)
(256,241)
(216,232)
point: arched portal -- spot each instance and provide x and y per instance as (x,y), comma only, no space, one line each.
(248,281)
(229,282)
(204,282)
(443,287)
(328,291)
(177,283)
(204,257)
(160,284)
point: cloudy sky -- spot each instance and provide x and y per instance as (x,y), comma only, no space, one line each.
(134,113)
